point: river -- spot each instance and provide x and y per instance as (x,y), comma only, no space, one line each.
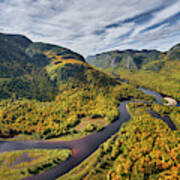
(81,148)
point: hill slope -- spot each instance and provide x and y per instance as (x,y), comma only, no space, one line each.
(23,66)
(47,90)
(13,58)
(129,59)
(155,70)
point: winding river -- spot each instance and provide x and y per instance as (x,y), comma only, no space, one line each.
(81,148)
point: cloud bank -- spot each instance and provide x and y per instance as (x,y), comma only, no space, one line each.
(91,26)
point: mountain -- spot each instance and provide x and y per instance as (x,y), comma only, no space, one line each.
(151,69)
(134,59)
(174,53)
(13,59)
(129,59)
(19,54)
(26,66)
(46,89)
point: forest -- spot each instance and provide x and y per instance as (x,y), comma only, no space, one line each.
(144,148)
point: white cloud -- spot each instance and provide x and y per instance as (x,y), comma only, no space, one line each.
(72,23)
(159,17)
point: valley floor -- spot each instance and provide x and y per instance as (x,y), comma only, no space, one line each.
(144,148)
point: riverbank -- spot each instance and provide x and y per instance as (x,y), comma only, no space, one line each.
(81,148)
(170,101)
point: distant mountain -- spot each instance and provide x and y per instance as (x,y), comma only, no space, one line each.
(174,53)
(134,59)
(129,59)
(151,69)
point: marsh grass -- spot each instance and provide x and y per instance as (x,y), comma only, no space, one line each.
(19,164)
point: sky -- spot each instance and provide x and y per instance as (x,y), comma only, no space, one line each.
(93,26)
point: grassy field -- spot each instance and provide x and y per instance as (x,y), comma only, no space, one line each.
(19,164)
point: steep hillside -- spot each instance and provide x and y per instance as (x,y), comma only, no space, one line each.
(158,71)
(165,81)
(13,59)
(40,48)
(129,59)
(174,53)
(24,64)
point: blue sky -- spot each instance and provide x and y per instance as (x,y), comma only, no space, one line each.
(94,26)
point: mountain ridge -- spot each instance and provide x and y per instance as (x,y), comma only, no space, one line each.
(131,58)
(155,70)
(24,65)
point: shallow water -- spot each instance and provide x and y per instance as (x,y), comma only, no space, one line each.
(158,97)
